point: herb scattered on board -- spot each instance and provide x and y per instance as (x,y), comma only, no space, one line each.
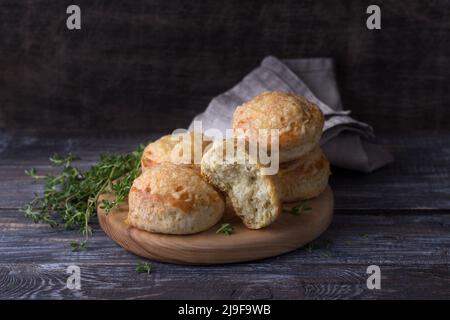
(325,245)
(309,247)
(226,229)
(300,207)
(78,245)
(144,267)
(70,197)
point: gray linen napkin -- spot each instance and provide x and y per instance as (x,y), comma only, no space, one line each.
(344,139)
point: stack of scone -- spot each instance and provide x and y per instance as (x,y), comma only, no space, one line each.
(184,192)
(304,168)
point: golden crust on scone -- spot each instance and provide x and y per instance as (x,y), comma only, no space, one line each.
(252,194)
(299,121)
(173,199)
(304,178)
(170,148)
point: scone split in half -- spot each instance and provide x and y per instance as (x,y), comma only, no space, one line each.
(173,199)
(252,194)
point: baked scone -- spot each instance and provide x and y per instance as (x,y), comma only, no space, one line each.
(171,148)
(173,199)
(252,194)
(304,178)
(299,122)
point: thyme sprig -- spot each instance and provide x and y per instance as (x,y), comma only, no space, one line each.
(144,267)
(70,197)
(300,207)
(226,229)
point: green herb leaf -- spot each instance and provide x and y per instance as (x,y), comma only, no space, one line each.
(309,247)
(226,229)
(300,207)
(144,267)
(327,243)
(78,245)
(58,160)
(70,197)
(32,173)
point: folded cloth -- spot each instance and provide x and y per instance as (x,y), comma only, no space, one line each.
(344,139)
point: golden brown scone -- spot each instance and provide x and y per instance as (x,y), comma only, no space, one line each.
(299,121)
(173,199)
(170,148)
(304,178)
(252,194)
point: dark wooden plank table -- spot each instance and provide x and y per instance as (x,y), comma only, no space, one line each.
(155,65)
(397,218)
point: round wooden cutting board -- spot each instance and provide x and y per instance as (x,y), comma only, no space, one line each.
(288,233)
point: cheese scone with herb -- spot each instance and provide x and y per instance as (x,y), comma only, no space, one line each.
(304,178)
(173,199)
(299,122)
(183,148)
(252,194)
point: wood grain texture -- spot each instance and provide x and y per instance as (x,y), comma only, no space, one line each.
(417,180)
(287,233)
(397,218)
(412,251)
(142,62)
(311,282)
(382,239)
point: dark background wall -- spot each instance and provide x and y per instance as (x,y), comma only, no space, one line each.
(152,65)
